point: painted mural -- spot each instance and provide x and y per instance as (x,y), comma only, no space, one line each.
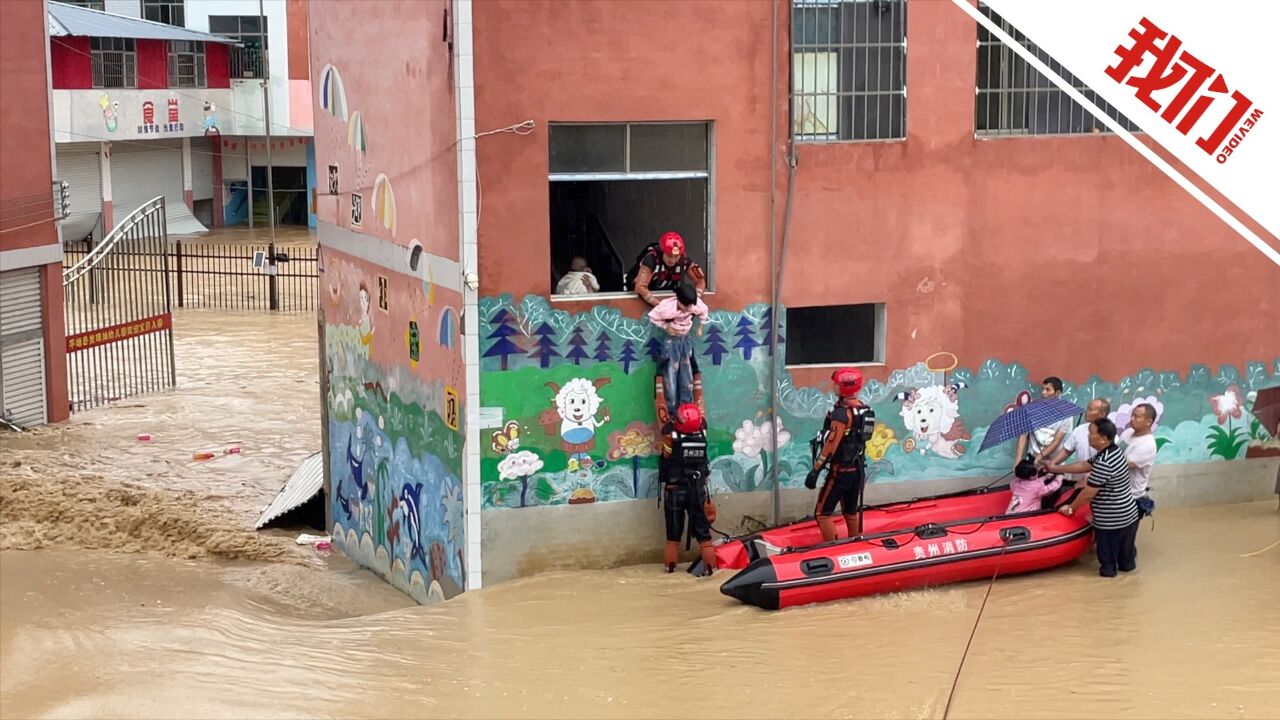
(395,459)
(574,390)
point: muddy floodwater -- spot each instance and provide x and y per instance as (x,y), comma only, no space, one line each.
(132,586)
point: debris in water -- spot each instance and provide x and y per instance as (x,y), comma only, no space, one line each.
(144,437)
(202,456)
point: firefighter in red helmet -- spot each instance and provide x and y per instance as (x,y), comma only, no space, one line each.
(840,447)
(684,470)
(666,266)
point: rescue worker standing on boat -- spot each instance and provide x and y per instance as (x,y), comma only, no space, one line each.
(841,448)
(684,470)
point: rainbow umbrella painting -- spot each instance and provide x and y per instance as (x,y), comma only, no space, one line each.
(333,97)
(355,133)
(384,202)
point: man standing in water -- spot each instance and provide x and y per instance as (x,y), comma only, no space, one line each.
(1140,452)
(1109,493)
(842,444)
(1077,443)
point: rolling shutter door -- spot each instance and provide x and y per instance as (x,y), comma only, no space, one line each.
(80,168)
(142,172)
(22,380)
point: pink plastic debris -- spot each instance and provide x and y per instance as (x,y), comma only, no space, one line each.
(232,451)
(144,437)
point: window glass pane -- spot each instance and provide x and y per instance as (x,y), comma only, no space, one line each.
(829,335)
(668,148)
(222,24)
(587,148)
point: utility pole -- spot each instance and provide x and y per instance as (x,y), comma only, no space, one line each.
(271,199)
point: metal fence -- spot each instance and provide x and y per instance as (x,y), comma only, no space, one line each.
(117,303)
(229,276)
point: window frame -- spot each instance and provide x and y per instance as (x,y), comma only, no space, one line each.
(99,5)
(244,37)
(128,59)
(708,175)
(199,55)
(837,46)
(1005,96)
(167,6)
(879,340)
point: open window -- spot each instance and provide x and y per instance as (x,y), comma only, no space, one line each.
(617,187)
(834,335)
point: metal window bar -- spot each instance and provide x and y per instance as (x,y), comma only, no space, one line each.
(849,61)
(1014,99)
(114,63)
(186,64)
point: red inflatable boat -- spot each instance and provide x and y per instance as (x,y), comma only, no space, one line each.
(935,553)
(741,551)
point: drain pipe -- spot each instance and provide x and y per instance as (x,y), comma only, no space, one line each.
(777,259)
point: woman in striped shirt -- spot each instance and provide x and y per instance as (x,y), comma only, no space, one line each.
(1115,512)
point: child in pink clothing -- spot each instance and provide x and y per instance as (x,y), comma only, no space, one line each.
(675,315)
(1029,488)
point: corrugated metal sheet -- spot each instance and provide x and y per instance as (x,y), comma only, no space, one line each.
(65,20)
(141,171)
(83,172)
(307,480)
(22,391)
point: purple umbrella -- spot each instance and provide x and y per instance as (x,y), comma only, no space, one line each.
(1028,418)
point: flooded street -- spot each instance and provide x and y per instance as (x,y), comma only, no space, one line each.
(204,614)
(1191,635)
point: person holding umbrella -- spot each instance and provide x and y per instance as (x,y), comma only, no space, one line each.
(1043,442)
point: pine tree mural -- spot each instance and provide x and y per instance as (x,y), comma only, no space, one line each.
(577,343)
(544,347)
(504,327)
(766,321)
(627,356)
(746,342)
(654,349)
(602,347)
(715,348)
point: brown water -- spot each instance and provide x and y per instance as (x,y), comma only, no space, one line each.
(246,380)
(215,620)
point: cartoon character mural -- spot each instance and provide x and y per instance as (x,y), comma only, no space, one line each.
(579,411)
(210,123)
(923,432)
(110,112)
(366,320)
(932,416)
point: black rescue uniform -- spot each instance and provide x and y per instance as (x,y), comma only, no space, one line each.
(684,471)
(841,447)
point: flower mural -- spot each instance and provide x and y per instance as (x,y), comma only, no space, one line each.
(637,440)
(881,438)
(519,467)
(1227,442)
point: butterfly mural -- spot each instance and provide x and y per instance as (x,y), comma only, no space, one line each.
(507,439)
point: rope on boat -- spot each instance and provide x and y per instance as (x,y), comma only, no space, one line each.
(1259,552)
(955,681)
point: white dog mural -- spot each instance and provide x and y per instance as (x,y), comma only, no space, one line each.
(932,416)
(579,411)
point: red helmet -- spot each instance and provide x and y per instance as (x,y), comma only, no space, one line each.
(848,381)
(671,243)
(688,418)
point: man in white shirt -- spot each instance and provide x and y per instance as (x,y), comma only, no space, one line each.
(1140,451)
(1044,442)
(1077,443)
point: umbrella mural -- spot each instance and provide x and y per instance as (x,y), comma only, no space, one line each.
(384,202)
(448,328)
(1028,418)
(417,259)
(355,132)
(333,97)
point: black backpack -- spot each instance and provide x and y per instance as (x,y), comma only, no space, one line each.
(629,280)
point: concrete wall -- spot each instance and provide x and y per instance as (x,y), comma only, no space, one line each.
(391,292)
(28,231)
(999,262)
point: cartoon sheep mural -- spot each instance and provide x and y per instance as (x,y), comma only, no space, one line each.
(579,411)
(932,416)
